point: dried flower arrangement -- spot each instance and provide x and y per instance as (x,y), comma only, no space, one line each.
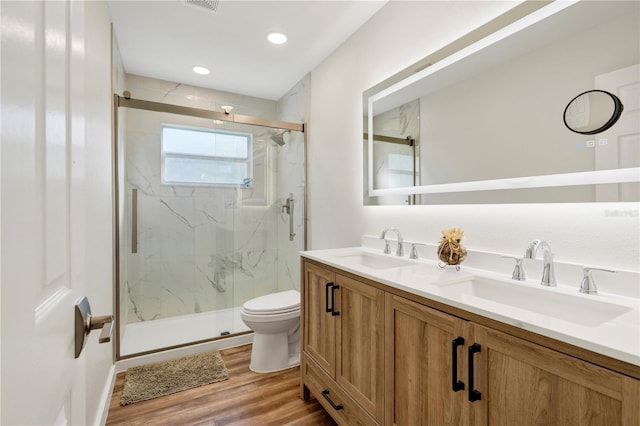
(450,251)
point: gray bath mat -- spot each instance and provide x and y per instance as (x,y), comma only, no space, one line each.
(167,377)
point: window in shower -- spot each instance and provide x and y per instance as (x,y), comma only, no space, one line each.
(201,156)
(400,170)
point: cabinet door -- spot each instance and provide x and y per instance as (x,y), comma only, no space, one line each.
(527,384)
(419,365)
(319,328)
(360,344)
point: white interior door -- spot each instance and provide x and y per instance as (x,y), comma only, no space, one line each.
(619,147)
(42,211)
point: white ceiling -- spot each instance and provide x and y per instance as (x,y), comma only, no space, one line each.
(164,39)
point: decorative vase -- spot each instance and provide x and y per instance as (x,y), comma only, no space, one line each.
(450,251)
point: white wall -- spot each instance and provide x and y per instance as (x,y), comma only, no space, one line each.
(397,36)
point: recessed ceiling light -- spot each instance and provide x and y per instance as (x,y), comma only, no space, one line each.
(201,70)
(277,38)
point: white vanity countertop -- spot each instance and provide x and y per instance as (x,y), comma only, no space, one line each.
(616,336)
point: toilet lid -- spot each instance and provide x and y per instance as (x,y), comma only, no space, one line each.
(275,303)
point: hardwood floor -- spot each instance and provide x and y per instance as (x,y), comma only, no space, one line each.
(246,398)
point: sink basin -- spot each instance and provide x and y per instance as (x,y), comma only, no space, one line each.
(374,261)
(542,301)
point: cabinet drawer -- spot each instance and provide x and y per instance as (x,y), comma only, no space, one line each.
(343,409)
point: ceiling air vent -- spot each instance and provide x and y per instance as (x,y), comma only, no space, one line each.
(210,5)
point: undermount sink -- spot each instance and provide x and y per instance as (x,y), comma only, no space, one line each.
(374,261)
(543,301)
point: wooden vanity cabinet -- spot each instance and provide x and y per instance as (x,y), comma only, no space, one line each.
(523,383)
(388,359)
(422,361)
(343,345)
(319,336)
(515,382)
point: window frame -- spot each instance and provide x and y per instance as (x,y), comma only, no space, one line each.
(248,161)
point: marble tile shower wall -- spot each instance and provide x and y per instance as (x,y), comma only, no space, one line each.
(203,248)
(291,180)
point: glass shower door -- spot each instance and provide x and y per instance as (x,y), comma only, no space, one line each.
(202,227)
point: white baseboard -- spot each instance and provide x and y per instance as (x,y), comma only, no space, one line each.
(103,410)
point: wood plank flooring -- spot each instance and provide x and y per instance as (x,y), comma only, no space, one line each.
(246,398)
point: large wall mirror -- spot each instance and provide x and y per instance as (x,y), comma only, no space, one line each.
(485,123)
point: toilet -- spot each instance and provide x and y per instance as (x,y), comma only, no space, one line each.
(275,321)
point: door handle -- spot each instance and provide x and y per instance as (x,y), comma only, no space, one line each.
(474,395)
(326,296)
(85,322)
(333,300)
(456,385)
(337,407)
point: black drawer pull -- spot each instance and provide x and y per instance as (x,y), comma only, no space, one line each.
(326,296)
(338,407)
(333,300)
(456,384)
(474,395)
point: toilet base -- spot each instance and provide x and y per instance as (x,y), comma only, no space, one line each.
(270,353)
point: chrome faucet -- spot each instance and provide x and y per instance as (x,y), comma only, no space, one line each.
(588,285)
(548,273)
(387,250)
(414,250)
(518,271)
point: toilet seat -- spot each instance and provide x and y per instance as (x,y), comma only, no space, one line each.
(273,304)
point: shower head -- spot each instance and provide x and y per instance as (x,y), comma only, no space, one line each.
(279,137)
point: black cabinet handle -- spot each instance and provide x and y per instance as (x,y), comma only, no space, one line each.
(333,300)
(456,384)
(325,394)
(326,296)
(474,395)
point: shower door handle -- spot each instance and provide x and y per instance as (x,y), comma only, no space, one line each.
(288,208)
(134,220)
